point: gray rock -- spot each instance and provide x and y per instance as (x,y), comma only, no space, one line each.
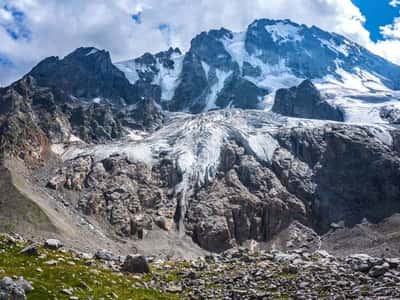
(30,250)
(14,290)
(53,244)
(105,255)
(390,114)
(379,270)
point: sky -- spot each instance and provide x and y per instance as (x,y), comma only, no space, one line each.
(31,30)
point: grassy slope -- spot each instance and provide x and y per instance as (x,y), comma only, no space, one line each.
(87,281)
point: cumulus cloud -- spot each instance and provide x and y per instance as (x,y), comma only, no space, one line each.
(128,28)
(389,46)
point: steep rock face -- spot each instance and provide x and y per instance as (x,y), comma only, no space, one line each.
(86,73)
(190,94)
(144,115)
(211,78)
(354,174)
(314,173)
(129,195)
(305,101)
(32,117)
(156,76)
(245,202)
(95,123)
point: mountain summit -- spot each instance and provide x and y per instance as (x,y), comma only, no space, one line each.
(226,69)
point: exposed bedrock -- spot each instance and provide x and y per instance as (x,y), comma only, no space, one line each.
(305,101)
(317,176)
(355,173)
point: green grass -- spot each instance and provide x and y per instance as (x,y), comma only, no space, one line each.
(86,281)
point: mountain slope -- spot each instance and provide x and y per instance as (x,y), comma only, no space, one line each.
(226,69)
(86,73)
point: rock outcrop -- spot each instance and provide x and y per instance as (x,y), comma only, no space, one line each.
(305,101)
(390,114)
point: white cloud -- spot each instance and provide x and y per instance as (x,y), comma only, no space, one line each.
(389,46)
(394,3)
(57,27)
(392,31)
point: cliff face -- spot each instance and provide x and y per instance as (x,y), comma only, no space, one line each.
(305,101)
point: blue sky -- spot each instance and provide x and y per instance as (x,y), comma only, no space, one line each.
(377,13)
(31,30)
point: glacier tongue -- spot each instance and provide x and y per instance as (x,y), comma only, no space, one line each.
(195,142)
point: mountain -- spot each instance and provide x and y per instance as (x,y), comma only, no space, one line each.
(86,73)
(278,134)
(226,69)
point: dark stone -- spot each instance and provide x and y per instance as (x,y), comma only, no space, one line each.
(30,250)
(136,264)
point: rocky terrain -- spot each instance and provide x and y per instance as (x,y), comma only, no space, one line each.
(244,273)
(229,171)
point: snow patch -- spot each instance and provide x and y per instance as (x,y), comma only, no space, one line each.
(206,68)
(168,79)
(283,33)
(216,89)
(93,51)
(235,46)
(129,69)
(341,48)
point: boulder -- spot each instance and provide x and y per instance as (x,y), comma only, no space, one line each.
(105,255)
(14,290)
(30,250)
(136,264)
(53,244)
(390,114)
(379,270)
(360,262)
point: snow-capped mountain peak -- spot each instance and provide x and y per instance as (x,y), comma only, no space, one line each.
(227,69)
